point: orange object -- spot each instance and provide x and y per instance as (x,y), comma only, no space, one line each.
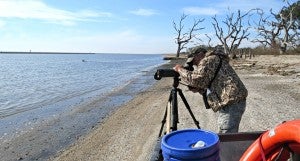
(269,144)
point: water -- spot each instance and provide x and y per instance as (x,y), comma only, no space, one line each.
(31,81)
(57,98)
(39,88)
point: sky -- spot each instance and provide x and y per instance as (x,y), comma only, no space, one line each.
(111,26)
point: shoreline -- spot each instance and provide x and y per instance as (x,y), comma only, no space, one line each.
(113,129)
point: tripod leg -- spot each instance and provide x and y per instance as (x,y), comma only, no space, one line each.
(174,109)
(163,123)
(167,117)
(188,108)
(168,112)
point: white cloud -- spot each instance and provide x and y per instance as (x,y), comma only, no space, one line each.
(35,9)
(200,11)
(144,12)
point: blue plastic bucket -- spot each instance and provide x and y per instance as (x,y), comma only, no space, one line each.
(190,144)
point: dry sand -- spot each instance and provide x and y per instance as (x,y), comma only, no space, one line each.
(130,133)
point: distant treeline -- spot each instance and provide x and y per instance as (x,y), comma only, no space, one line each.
(21,52)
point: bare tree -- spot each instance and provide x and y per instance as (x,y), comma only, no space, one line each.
(183,38)
(233,33)
(288,23)
(279,30)
(267,30)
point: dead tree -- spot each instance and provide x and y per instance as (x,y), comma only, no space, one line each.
(233,33)
(288,23)
(183,38)
(278,30)
(267,30)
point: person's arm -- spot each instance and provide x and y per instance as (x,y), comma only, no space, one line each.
(200,77)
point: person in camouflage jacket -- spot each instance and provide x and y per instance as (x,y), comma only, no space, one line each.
(214,78)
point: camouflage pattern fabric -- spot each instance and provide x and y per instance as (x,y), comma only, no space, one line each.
(226,88)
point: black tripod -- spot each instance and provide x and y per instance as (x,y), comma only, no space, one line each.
(171,112)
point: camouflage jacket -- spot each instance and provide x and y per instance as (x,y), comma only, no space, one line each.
(226,88)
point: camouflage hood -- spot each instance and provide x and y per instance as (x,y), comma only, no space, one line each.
(218,53)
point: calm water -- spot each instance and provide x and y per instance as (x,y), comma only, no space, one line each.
(31,81)
(53,99)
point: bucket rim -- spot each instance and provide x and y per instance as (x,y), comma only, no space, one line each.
(164,143)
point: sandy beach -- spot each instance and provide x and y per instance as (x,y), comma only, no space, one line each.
(131,131)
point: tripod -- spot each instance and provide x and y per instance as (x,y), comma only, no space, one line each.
(171,113)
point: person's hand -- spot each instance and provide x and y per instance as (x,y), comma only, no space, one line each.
(177,67)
